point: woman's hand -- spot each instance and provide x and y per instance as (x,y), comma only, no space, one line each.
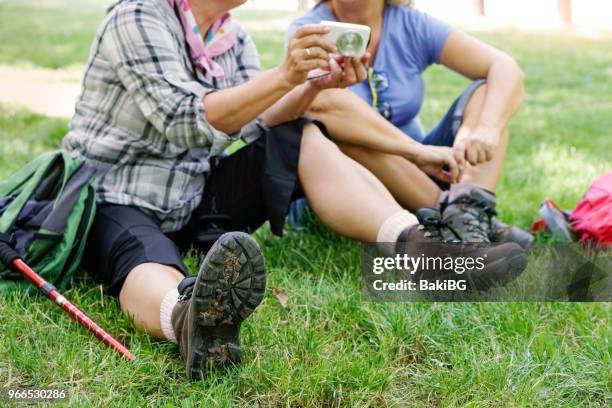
(440,162)
(344,72)
(477,146)
(308,50)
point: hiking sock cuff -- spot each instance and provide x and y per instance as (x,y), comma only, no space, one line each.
(462,189)
(393,227)
(165,314)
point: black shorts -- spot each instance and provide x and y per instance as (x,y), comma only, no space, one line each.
(243,191)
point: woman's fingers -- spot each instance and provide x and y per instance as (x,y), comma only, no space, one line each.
(309,65)
(303,59)
(482,155)
(471,155)
(473,150)
(336,69)
(311,29)
(350,76)
(315,41)
(453,168)
(449,169)
(459,155)
(345,71)
(308,51)
(365,60)
(316,52)
(489,151)
(477,153)
(459,150)
(360,70)
(340,59)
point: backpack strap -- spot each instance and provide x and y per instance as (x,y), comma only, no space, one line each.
(57,220)
(28,178)
(21,176)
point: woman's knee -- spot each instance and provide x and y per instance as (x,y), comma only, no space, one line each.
(149,279)
(331,100)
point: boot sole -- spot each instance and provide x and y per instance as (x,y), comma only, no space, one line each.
(231,283)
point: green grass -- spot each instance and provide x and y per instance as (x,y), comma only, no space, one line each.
(327,348)
(50,34)
(47,33)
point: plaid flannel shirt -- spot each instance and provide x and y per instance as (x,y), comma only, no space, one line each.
(140,119)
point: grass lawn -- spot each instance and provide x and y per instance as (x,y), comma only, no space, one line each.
(327,347)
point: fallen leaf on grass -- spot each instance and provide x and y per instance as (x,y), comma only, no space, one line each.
(281,296)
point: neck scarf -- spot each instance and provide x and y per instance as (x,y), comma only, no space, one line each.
(219,39)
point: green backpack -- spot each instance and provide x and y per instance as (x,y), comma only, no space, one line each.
(48,206)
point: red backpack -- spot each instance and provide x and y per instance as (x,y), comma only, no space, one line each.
(592,219)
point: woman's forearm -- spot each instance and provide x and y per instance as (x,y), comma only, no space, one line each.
(504,93)
(231,109)
(350,120)
(291,106)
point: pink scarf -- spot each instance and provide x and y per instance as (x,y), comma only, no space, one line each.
(219,39)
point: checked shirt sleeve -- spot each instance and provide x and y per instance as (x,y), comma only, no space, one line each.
(144,53)
(248,67)
(247,58)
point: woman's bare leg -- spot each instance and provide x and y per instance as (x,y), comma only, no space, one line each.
(347,197)
(376,142)
(411,187)
(368,138)
(487,174)
(143,292)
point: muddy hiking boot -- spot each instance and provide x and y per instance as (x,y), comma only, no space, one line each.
(444,257)
(212,305)
(469,212)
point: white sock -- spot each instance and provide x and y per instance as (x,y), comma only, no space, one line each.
(165,314)
(395,225)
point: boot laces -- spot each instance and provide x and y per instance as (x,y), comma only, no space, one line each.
(479,224)
(432,227)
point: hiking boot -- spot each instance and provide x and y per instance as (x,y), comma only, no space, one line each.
(493,264)
(466,213)
(206,320)
(469,212)
(501,232)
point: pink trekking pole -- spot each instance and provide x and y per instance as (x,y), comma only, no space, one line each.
(11,259)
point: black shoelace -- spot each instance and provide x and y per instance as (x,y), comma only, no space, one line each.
(432,227)
(481,224)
